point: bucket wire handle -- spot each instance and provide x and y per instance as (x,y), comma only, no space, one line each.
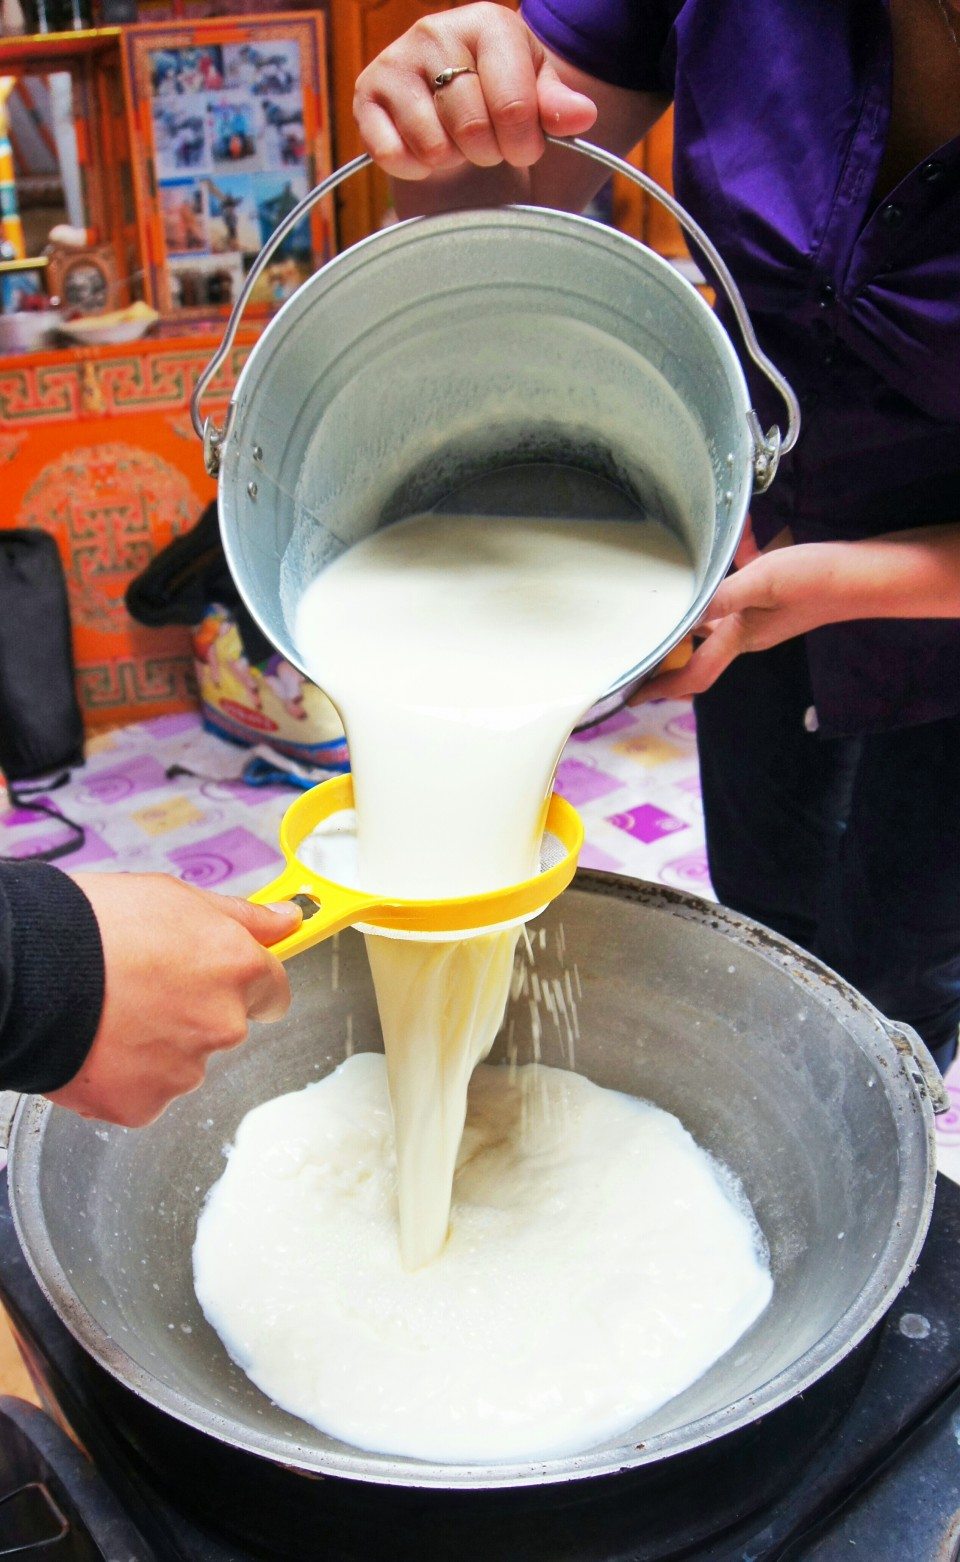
(212,435)
(767,448)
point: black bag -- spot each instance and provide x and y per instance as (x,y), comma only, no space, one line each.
(41,728)
(190,573)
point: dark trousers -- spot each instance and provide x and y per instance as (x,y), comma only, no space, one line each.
(848,846)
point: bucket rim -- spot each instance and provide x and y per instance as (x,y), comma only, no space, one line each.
(416,230)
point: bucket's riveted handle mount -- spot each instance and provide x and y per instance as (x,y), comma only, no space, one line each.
(767,448)
(928,1076)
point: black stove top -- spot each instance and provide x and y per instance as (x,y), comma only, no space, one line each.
(866,1466)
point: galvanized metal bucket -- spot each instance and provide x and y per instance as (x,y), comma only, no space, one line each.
(449,349)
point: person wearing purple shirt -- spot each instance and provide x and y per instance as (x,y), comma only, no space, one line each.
(818,143)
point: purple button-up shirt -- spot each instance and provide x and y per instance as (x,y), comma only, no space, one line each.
(781,116)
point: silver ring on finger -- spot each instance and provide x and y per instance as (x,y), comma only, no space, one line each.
(443,78)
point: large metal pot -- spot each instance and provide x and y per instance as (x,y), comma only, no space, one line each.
(448,348)
(818,1104)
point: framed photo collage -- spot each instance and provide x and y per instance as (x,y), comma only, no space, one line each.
(233,129)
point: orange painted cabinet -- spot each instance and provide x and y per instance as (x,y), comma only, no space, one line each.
(96,448)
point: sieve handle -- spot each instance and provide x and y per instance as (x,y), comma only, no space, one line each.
(338,908)
(767,448)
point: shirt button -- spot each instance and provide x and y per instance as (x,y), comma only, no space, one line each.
(891,216)
(828,295)
(931,171)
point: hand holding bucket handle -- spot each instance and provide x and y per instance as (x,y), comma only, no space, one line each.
(767,448)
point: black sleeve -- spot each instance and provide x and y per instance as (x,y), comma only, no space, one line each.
(51,976)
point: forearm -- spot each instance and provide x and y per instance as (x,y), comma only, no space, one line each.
(910,574)
(791,590)
(788,590)
(464,189)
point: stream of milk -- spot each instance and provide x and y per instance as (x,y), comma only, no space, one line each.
(460,650)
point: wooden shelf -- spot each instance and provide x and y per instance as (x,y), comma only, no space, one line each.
(171,336)
(40,48)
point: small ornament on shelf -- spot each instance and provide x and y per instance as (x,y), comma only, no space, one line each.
(86,279)
(28,315)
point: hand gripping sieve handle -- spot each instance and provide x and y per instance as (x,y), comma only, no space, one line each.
(767,448)
(337,908)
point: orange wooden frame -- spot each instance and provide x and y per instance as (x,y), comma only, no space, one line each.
(139,42)
(93,60)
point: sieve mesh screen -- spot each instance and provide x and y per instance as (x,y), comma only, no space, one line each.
(331,851)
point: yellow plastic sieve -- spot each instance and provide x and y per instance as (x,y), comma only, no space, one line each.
(339,906)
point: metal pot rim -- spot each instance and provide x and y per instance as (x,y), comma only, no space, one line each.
(893,1268)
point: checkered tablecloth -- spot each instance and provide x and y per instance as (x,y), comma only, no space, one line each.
(634,779)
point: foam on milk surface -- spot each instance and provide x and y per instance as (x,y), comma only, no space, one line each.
(595,1267)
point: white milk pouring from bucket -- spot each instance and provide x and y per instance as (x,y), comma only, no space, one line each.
(567,1297)
(460,649)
